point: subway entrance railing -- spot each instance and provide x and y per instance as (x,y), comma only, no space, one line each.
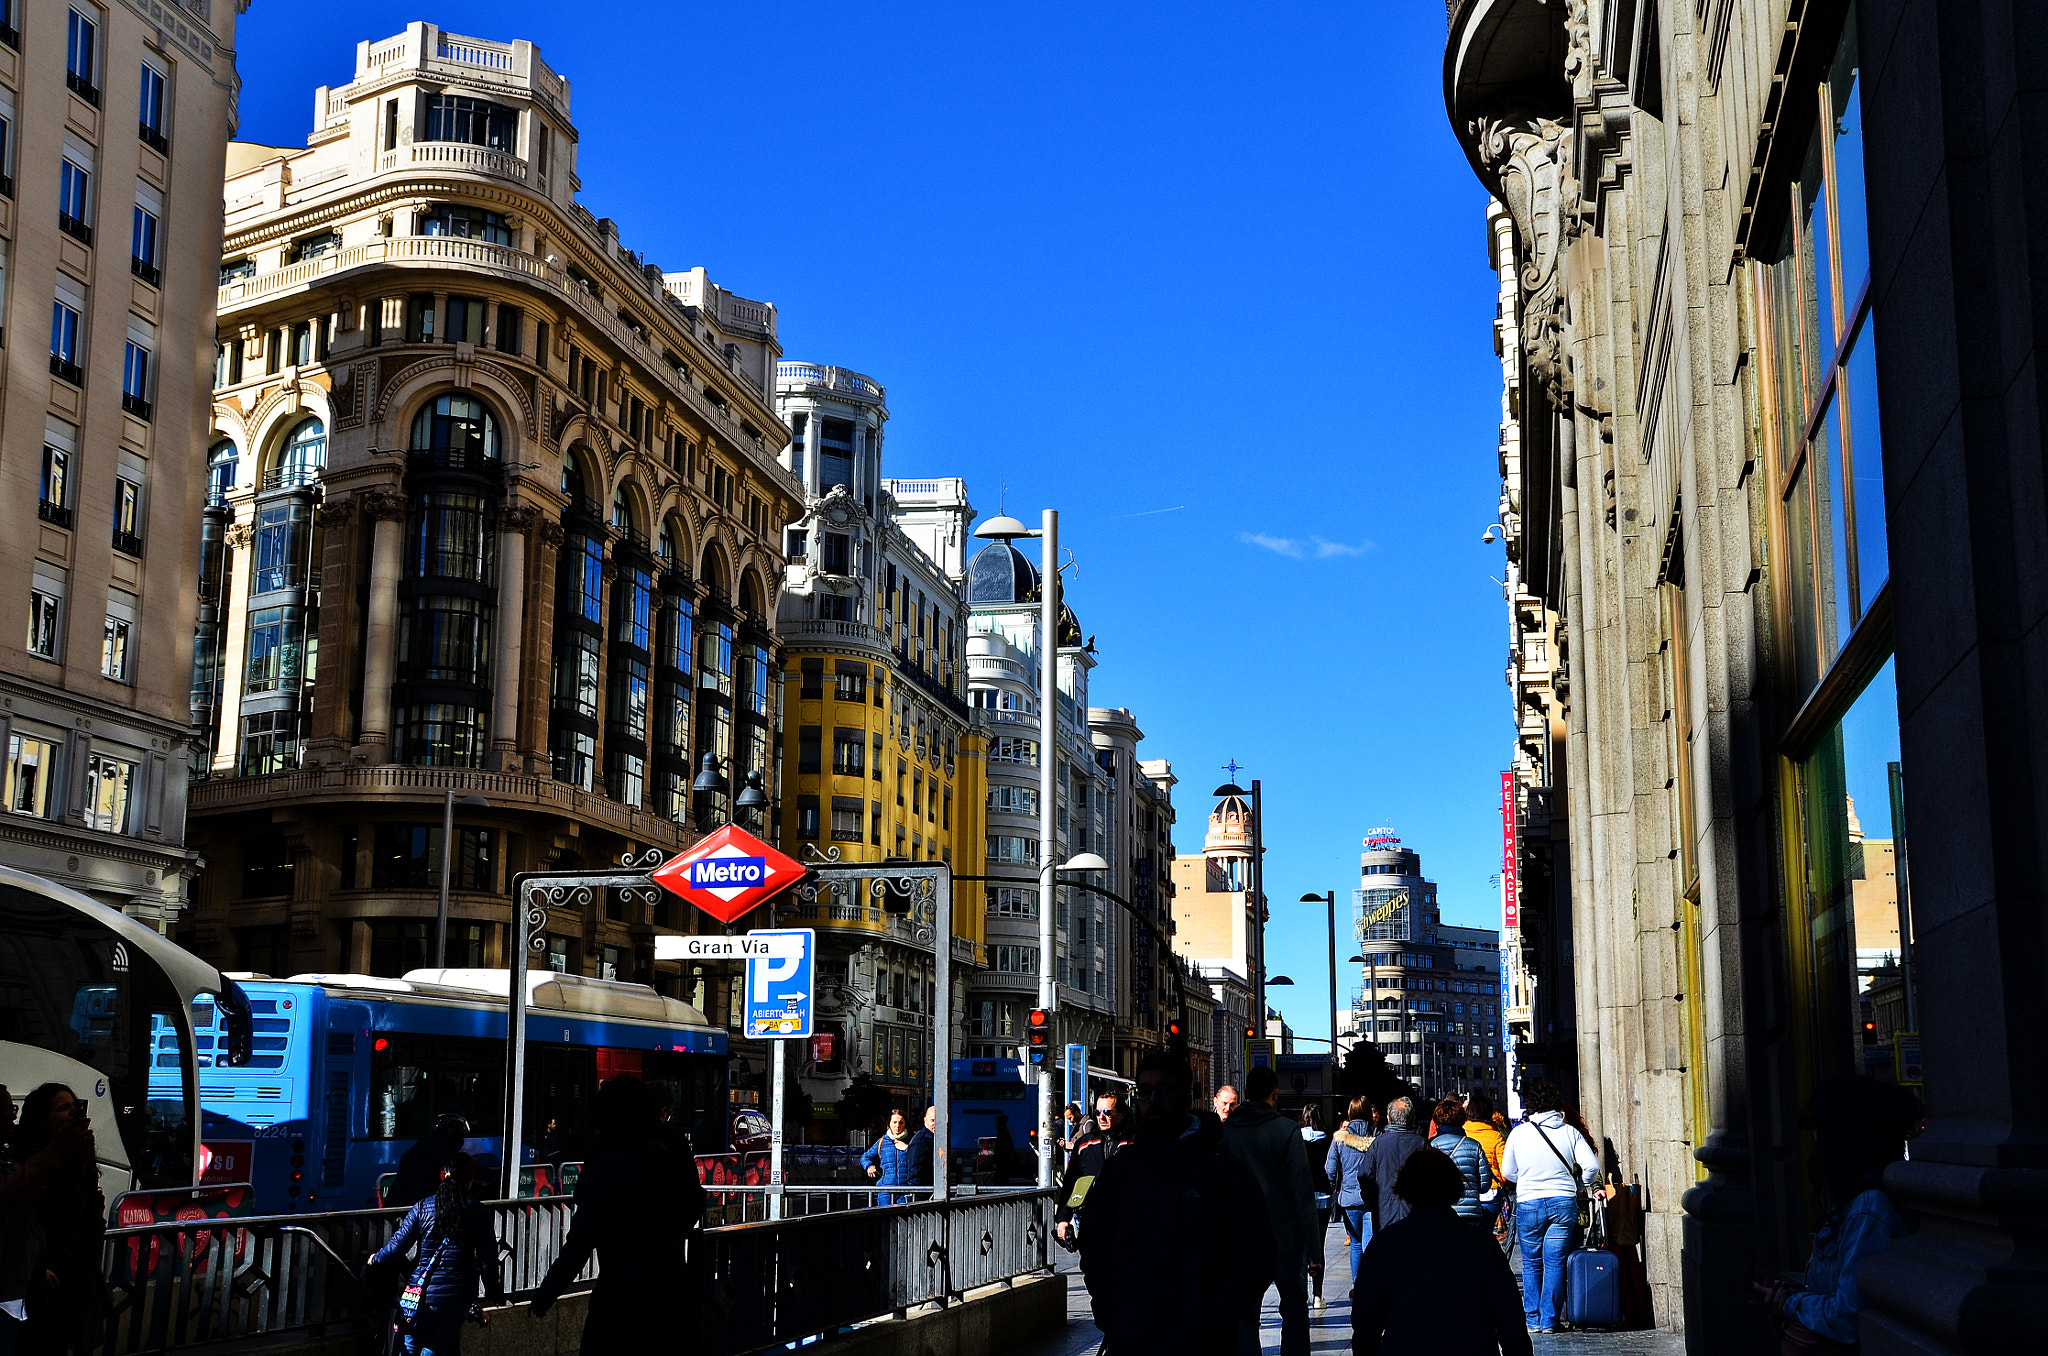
(746,1287)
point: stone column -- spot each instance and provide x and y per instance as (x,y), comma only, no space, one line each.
(234,623)
(386,508)
(509,634)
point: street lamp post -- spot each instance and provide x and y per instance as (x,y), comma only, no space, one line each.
(1004,528)
(1330,899)
(447,857)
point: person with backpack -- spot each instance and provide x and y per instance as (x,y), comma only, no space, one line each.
(1553,1168)
(1450,1138)
(1314,1140)
(458,1252)
(1344,1170)
(1091,1154)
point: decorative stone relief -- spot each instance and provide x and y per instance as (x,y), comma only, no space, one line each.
(550,533)
(518,518)
(336,514)
(1529,158)
(382,505)
(238,536)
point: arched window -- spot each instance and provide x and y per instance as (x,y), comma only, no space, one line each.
(300,458)
(622,510)
(712,575)
(457,430)
(220,472)
(667,547)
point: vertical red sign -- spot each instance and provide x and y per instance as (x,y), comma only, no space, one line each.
(1510,858)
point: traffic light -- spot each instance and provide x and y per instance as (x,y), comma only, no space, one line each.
(1038,1037)
(1177,1038)
(1869,1032)
(1251,1033)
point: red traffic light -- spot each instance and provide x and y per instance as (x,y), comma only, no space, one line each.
(1040,1018)
(1038,1035)
(1173,1028)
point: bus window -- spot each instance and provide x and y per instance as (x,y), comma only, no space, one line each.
(414,1079)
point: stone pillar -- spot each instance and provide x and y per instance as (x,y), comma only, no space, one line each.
(509,635)
(234,623)
(386,508)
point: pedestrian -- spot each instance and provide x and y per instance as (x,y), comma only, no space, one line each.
(1382,1164)
(888,1159)
(1479,1128)
(549,1149)
(1270,1145)
(918,1171)
(1092,1151)
(1226,1102)
(1002,1150)
(1860,1126)
(1552,1166)
(1433,1285)
(65,1304)
(637,1207)
(458,1253)
(1077,1129)
(1314,1140)
(421,1167)
(1343,1166)
(1175,1247)
(1464,1151)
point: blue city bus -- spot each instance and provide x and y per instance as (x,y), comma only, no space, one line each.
(346,1072)
(1002,1094)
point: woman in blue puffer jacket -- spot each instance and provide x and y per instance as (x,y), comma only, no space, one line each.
(888,1160)
(1344,1165)
(1451,1138)
(457,1251)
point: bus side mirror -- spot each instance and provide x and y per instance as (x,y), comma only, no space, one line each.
(236,1022)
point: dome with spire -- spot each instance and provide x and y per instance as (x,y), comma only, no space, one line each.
(1230,829)
(1000,573)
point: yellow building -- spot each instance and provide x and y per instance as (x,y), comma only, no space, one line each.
(879,759)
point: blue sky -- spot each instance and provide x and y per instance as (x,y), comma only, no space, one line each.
(1223,260)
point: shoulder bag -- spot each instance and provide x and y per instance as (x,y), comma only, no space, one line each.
(1579,1198)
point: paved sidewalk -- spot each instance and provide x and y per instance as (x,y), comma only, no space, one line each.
(1330,1330)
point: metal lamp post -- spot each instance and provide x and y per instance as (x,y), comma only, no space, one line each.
(1005,528)
(447,857)
(1330,899)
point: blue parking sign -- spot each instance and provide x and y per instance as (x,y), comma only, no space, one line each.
(780,966)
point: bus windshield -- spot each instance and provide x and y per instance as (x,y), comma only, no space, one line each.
(78,1003)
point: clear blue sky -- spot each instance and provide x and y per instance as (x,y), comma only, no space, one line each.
(1220,259)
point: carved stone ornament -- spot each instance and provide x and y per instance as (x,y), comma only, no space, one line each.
(238,536)
(518,518)
(837,507)
(550,533)
(1529,157)
(336,514)
(382,505)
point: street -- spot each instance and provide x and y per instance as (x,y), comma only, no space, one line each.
(1330,1330)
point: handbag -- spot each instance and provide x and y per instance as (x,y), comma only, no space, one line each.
(1580,1200)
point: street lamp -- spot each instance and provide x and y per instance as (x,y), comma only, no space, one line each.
(710,782)
(753,798)
(447,857)
(1329,899)
(1005,528)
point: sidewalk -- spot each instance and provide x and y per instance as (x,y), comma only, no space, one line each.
(1330,1330)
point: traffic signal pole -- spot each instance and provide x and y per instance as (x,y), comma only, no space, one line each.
(1048,751)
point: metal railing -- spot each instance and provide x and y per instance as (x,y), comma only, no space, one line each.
(747,1286)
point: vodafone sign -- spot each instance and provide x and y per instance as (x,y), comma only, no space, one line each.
(728,874)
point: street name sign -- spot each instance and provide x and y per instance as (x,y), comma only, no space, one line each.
(751,946)
(727,874)
(779,983)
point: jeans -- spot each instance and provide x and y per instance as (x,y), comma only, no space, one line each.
(439,1340)
(1358,1224)
(1292,1282)
(1548,1229)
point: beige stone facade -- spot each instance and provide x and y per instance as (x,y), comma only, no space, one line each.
(496,513)
(112,119)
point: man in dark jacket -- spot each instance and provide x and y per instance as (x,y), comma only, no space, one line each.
(1431,1282)
(918,1171)
(636,1206)
(1091,1154)
(1175,1245)
(1270,1145)
(1382,1164)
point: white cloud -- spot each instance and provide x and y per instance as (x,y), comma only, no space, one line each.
(1297,548)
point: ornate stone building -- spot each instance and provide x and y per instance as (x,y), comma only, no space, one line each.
(880,760)
(495,513)
(112,120)
(1773,496)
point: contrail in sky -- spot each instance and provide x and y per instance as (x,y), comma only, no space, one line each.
(1149,512)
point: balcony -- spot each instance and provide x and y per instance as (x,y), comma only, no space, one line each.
(153,138)
(137,406)
(291,477)
(74,228)
(127,543)
(82,87)
(68,370)
(833,379)
(146,271)
(858,632)
(460,155)
(54,514)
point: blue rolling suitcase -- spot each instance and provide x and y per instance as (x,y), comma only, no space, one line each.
(1592,1289)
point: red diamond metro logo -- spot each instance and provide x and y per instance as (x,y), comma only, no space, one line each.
(728,874)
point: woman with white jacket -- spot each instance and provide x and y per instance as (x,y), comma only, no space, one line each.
(1549,1162)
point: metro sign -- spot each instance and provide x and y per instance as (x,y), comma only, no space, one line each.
(728,874)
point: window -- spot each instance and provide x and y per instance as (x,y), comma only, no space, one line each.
(1007,902)
(1011,848)
(31,766)
(64,342)
(845,820)
(511,329)
(812,674)
(452,117)
(796,545)
(444,638)
(438,734)
(835,454)
(142,261)
(834,560)
(832,607)
(849,748)
(1010,749)
(220,472)
(45,611)
(74,200)
(419,319)
(1016,800)
(465,320)
(391,124)
(299,344)
(282,544)
(575,758)
(109,786)
(301,459)
(127,516)
(56,488)
(270,742)
(1015,960)
(465,223)
(456,431)
(135,380)
(81,53)
(150,109)
(807,818)
(276,644)
(120,628)
(809,741)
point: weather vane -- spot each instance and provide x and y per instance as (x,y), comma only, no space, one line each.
(1232,767)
